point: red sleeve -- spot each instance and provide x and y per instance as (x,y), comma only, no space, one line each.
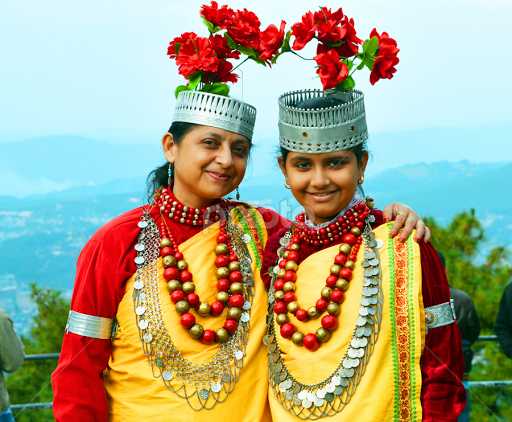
(442,362)
(103,267)
(276,226)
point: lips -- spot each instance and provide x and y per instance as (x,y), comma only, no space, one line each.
(322,196)
(219,177)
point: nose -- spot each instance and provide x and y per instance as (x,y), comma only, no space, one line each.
(319,178)
(224,156)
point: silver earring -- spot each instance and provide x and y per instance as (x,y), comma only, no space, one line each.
(286,185)
(237,194)
(169,174)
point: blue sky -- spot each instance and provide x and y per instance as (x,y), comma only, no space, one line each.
(99,68)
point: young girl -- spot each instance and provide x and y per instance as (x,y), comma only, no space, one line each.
(360,324)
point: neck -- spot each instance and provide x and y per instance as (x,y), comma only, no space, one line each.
(190,199)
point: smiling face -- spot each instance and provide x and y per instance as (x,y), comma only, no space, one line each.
(208,163)
(324,183)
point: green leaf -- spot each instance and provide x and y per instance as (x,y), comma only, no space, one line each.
(347,85)
(249,52)
(349,63)
(285,46)
(194,81)
(212,29)
(179,89)
(218,88)
(371,46)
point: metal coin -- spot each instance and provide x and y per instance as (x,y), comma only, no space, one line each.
(361,321)
(336,380)
(379,244)
(319,402)
(247,305)
(329,397)
(288,395)
(329,388)
(138,285)
(203,394)
(239,355)
(338,391)
(321,393)
(148,338)
(139,247)
(143,324)
(311,396)
(363,311)
(344,382)
(167,375)
(142,224)
(306,404)
(246,238)
(245,317)
(374,262)
(139,260)
(302,395)
(216,387)
(285,385)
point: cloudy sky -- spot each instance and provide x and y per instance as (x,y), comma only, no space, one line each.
(100,66)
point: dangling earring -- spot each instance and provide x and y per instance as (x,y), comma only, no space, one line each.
(237,194)
(286,185)
(169,174)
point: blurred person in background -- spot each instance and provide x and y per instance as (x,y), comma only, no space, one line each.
(503,327)
(11,358)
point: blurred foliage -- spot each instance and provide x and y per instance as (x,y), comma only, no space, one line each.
(31,383)
(483,276)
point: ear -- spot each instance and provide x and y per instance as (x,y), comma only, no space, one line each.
(282,166)
(169,147)
(363,163)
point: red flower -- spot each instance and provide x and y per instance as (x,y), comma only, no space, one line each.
(196,54)
(350,43)
(223,74)
(331,69)
(245,29)
(270,41)
(303,31)
(174,45)
(219,17)
(386,58)
(222,49)
(328,25)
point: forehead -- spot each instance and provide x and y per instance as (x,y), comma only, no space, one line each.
(219,134)
(319,156)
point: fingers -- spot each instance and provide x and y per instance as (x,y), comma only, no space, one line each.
(388,212)
(421,231)
(398,224)
(409,226)
(428,234)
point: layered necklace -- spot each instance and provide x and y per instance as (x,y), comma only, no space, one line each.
(180,280)
(329,396)
(346,229)
(202,385)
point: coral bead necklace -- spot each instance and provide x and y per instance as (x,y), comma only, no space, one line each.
(347,229)
(230,291)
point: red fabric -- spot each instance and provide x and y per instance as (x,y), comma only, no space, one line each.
(104,266)
(442,362)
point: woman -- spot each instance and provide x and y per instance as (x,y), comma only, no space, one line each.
(360,324)
(168,308)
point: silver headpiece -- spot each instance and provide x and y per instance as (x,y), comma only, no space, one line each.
(207,109)
(333,128)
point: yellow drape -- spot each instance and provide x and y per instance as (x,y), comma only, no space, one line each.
(376,396)
(135,395)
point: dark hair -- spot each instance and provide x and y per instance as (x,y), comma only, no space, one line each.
(159,177)
(319,103)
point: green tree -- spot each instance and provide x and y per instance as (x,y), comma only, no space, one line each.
(483,275)
(32,382)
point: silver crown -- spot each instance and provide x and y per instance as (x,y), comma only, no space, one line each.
(334,128)
(222,112)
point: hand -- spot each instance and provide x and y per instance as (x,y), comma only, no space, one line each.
(405,221)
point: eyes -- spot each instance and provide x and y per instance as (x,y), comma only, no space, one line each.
(239,148)
(334,163)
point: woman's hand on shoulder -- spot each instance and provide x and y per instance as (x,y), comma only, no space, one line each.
(405,221)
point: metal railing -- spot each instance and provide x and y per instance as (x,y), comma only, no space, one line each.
(54,356)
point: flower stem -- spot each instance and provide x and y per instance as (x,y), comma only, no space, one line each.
(298,55)
(240,64)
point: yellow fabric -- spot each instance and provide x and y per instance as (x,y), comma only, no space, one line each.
(135,395)
(374,396)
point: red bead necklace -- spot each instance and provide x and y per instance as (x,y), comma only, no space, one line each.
(346,229)
(230,291)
